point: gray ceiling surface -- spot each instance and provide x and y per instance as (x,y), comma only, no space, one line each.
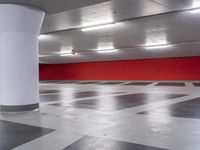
(114,10)
(137,25)
(55,6)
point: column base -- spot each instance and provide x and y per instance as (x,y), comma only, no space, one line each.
(5,108)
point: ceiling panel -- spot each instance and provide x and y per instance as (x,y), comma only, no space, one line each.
(113,11)
(55,6)
(175,28)
(169,28)
(182,50)
(181,4)
(138,23)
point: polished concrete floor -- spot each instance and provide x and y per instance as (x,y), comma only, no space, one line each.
(108,115)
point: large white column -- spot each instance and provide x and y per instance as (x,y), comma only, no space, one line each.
(19,83)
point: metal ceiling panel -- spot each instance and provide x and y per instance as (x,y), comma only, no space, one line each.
(181,4)
(128,54)
(174,28)
(142,23)
(113,11)
(55,6)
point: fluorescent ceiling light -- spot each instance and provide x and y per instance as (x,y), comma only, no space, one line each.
(98,27)
(196,4)
(195,11)
(105,48)
(158,47)
(107,51)
(42,36)
(66,54)
(40,56)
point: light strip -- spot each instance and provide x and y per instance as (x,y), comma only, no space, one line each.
(158,47)
(195,11)
(42,36)
(107,51)
(196,4)
(98,27)
(67,54)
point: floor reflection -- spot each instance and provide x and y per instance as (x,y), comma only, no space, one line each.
(186,109)
(119,102)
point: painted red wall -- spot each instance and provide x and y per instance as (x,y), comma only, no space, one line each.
(187,68)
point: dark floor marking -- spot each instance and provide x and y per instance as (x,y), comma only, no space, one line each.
(49,91)
(119,102)
(138,83)
(93,93)
(53,97)
(96,143)
(187,109)
(111,83)
(14,134)
(75,95)
(170,84)
(196,84)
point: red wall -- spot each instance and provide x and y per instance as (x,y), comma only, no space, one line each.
(187,68)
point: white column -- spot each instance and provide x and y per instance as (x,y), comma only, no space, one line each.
(19,83)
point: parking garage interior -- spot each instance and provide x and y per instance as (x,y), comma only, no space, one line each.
(99,75)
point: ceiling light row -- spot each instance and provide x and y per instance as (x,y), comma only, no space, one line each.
(101,50)
(116,50)
(98,51)
(110,25)
(159,46)
(99,27)
(195,11)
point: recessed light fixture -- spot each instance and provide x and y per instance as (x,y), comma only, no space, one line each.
(67,54)
(195,11)
(41,56)
(98,27)
(107,51)
(196,4)
(108,47)
(42,36)
(158,47)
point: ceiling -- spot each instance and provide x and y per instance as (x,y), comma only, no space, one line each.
(55,6)
(142,29)
(113,11)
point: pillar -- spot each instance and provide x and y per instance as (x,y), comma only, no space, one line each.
(19,82)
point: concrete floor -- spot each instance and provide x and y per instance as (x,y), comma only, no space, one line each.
(125,115)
